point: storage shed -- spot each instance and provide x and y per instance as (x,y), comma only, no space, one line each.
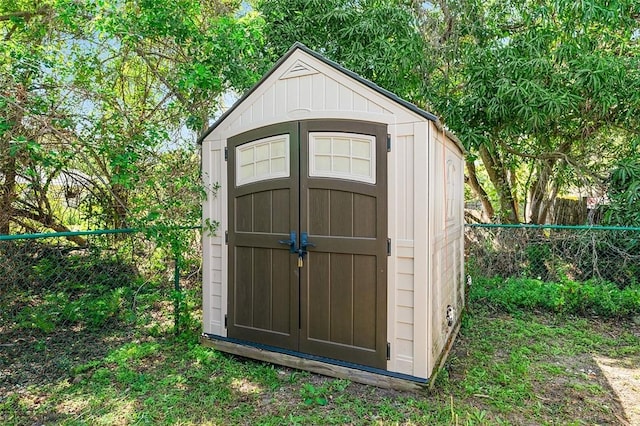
(340,241)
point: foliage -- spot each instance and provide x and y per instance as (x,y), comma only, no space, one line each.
(567,297)
(554,253)
(51,284)
(101,103)
(56,287)
(624,194)
(379,40)
(544,94)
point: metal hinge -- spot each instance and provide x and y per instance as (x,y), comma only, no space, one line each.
(388,246)
(388,142)
(226,237)
(226,153)
(225,321)
(388,351)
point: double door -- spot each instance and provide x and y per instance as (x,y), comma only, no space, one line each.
(307,239)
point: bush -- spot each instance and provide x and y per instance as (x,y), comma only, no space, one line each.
(565,296)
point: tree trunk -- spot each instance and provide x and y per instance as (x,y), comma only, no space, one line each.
(499,178)
(9,163)
(541,199)
(479,190)
(538,192)
(8,190)
(119,205)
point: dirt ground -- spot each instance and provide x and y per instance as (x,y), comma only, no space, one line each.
(624,377)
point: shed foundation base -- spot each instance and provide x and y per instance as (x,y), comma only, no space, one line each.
(327,367)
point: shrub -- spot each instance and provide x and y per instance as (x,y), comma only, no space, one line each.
(566,296)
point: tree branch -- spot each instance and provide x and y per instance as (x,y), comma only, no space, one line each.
(25,15)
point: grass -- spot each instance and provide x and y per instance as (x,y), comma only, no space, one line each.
(505,369)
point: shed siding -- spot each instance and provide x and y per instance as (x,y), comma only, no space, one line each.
(421,178)
(402,345)
(214,307)
(321,93)
(401,289)
(446,239)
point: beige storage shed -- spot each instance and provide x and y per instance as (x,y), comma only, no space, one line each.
(340,241)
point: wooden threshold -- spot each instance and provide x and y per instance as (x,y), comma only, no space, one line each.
(390,381)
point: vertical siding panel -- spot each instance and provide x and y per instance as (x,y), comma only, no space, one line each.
(404,174)
(280,98)
(421,248)
(292,94)
(331,93)
(257,110)
(410,217)
(359,103)
(222,213)
(212,245)
(392,232)
(440,291)
(317,92)
(246,116)
(268,104)
(373,107)
(305,92)
(207,274)
(401,288)
(345,101)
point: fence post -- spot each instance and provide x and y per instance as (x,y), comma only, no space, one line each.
(177,294)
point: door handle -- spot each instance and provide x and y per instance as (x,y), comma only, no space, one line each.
(291,242)
(304,242)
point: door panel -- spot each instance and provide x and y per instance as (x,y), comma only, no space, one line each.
(263,276)
(343,284)
(335,304)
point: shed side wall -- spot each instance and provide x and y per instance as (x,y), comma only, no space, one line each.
(447,239)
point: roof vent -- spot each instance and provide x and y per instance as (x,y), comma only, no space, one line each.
(298,69)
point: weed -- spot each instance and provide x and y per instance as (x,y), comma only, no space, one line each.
(312,395)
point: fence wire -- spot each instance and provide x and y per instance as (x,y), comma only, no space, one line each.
(552,253)
(96,279)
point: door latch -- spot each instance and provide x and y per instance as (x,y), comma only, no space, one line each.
(291,242)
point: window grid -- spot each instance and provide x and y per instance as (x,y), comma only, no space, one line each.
(262,159)
(342,155)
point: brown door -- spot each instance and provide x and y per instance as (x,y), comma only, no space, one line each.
(263,210)
(335,194)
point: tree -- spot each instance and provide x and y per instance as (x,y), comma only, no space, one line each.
(544,94)
(33,119)
(540,91)
(108,91)
(624,192)
(378,39)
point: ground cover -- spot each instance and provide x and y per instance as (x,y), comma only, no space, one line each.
(505,368)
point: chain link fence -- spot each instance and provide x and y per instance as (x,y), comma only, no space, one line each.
(95,279)
(552,253)
(151,278)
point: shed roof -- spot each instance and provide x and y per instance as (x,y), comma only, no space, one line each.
(299,46)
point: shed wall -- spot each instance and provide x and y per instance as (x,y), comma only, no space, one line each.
(446,239)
